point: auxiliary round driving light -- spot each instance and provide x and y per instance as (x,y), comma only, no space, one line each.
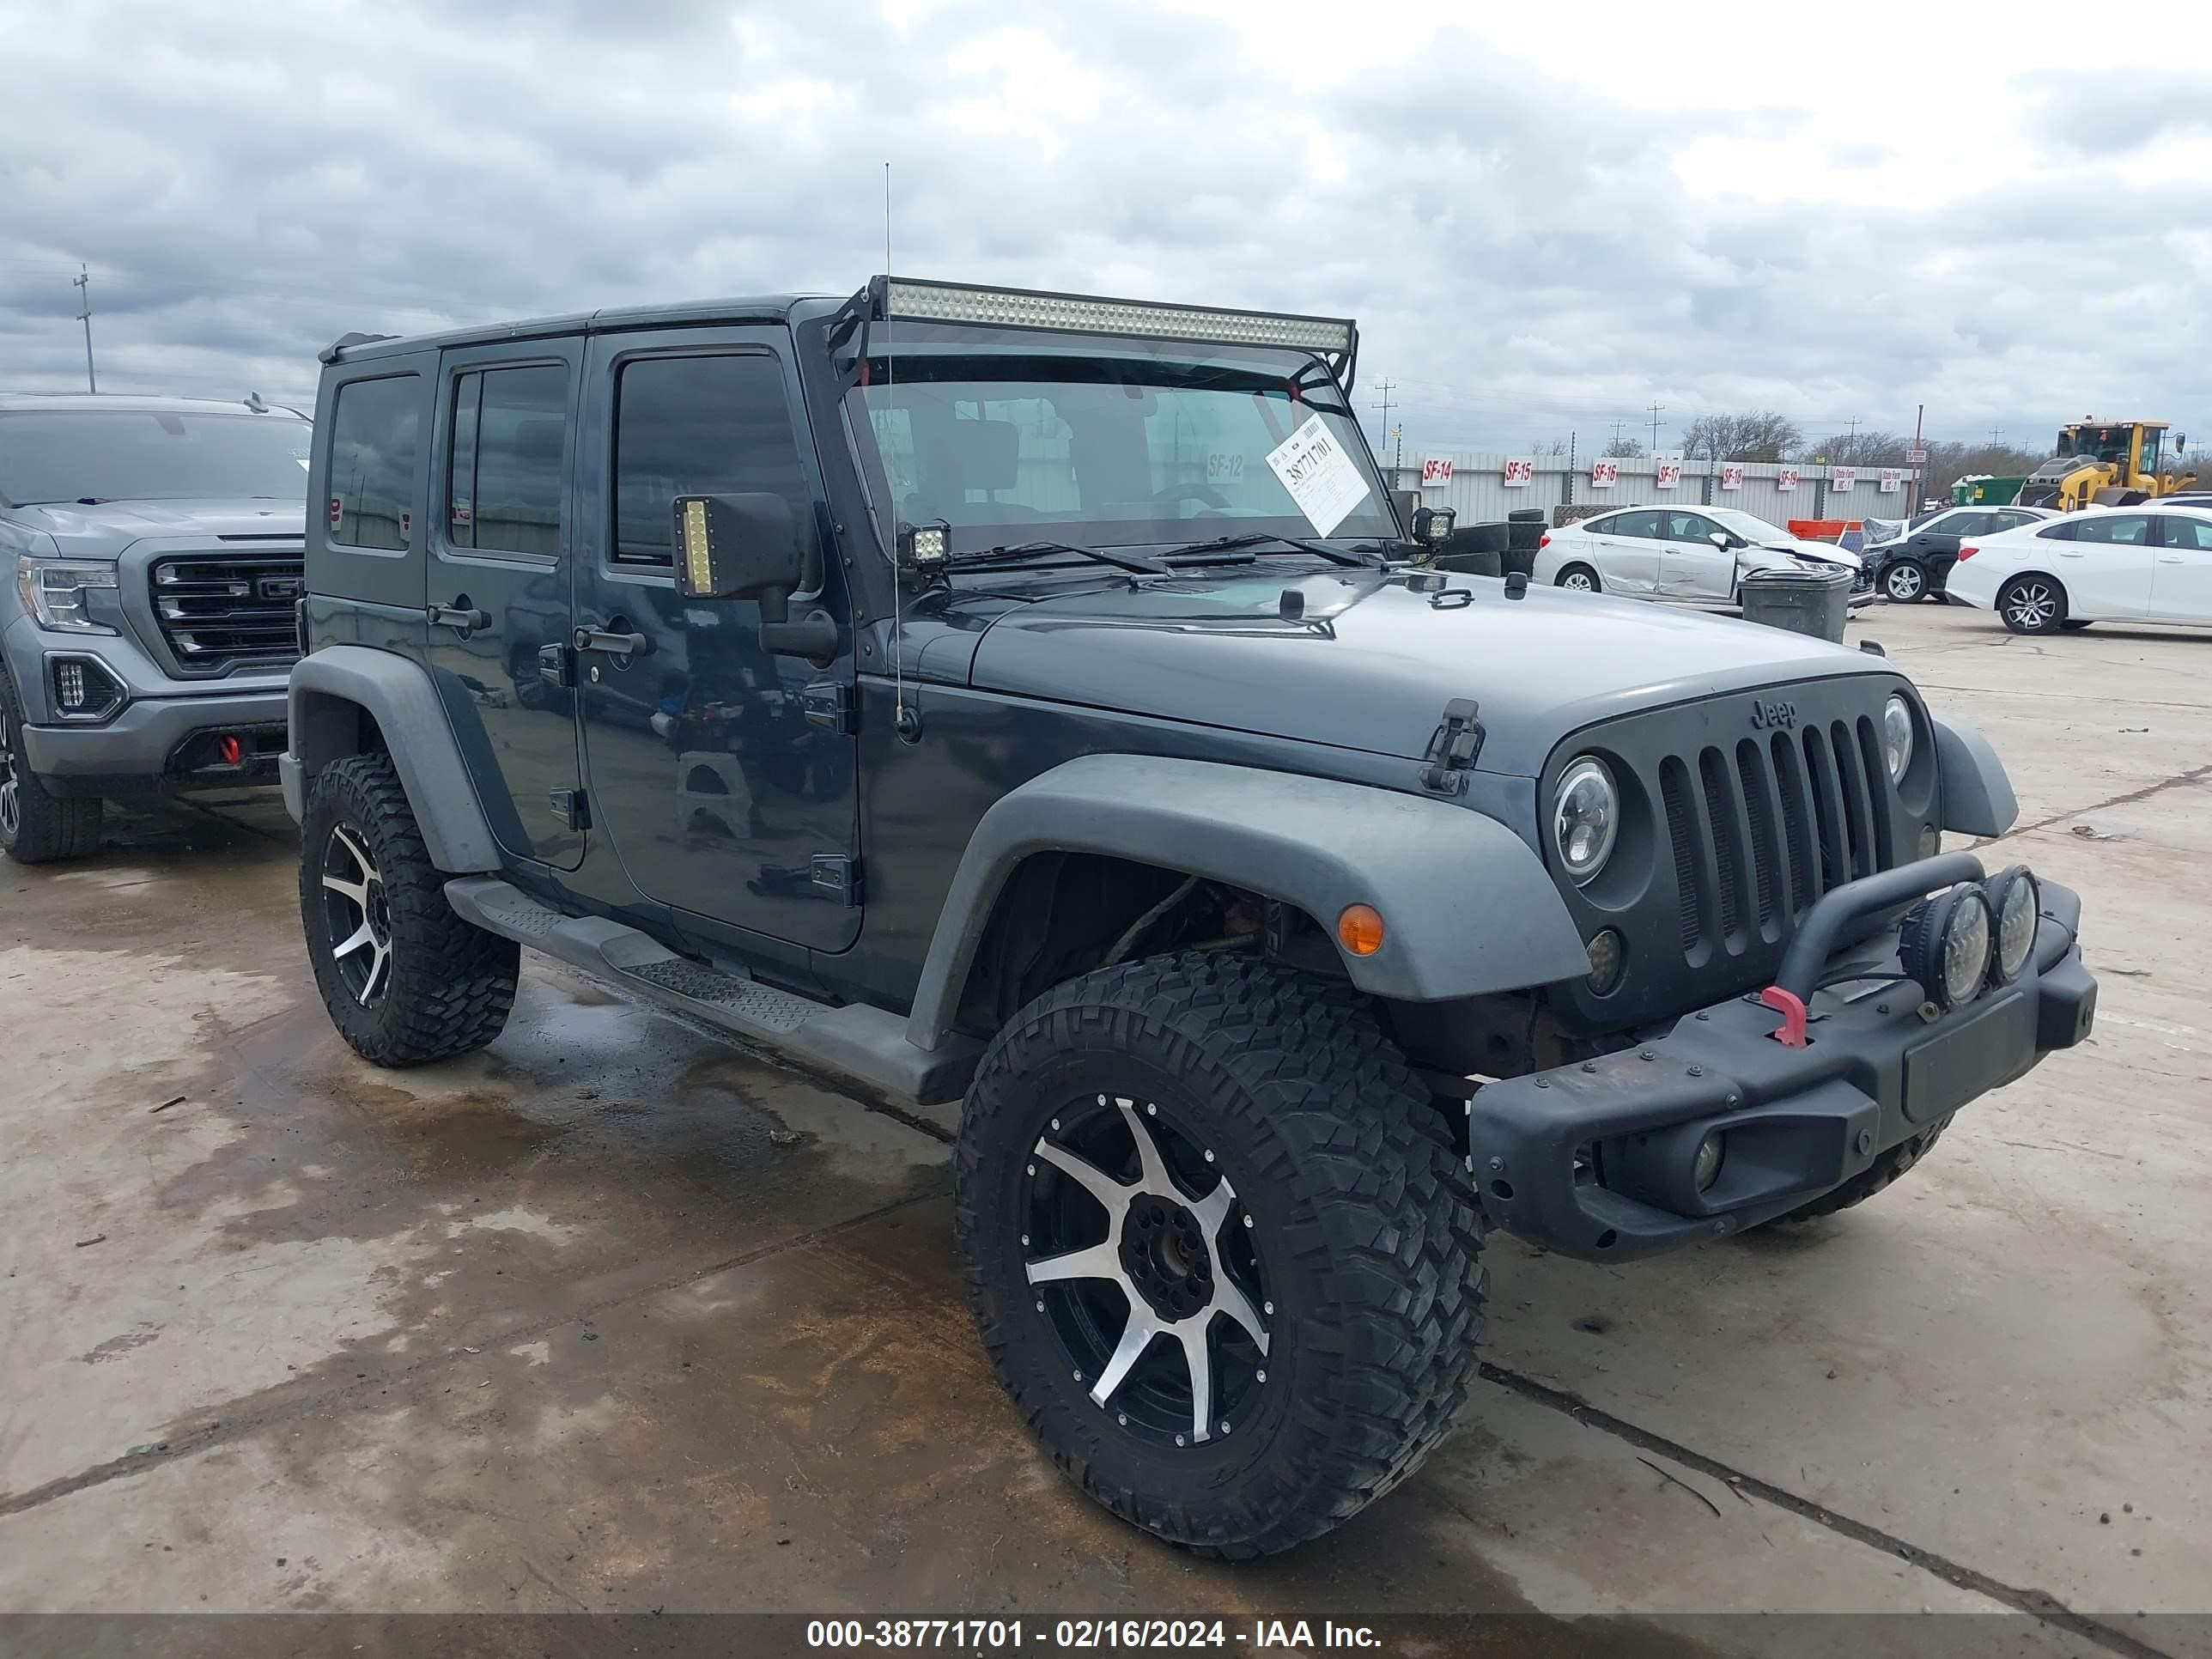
(1606,956)
(2014,901)
(1944,944)
(1712,1152)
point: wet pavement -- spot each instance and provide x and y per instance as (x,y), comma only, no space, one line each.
(614,1317)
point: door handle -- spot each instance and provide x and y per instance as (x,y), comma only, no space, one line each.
(2165,558)
(459,616)
(615,645)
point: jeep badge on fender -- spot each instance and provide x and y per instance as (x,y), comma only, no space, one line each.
(920,701)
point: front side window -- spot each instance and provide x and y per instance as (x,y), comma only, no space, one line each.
(84,457)
(2186,532)
(2129,529)
(1009,437)
(503,476)
(1688,527)
(373,424)
(699,426)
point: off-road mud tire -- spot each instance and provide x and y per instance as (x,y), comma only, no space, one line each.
(1364,1218)
(451,985)
(48,828)
(1869,1180)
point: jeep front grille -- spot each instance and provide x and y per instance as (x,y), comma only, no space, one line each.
(1759,831)
(218,612)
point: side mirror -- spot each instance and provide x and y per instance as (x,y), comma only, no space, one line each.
(748,547)
(1722,540)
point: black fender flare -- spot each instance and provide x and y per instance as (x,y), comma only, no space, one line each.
(327,691)
(1978,796)
(1467,907)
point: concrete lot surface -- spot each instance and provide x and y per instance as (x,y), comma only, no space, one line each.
(617,1318)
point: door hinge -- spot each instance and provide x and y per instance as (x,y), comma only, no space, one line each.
(572,807)
(831,704)
(556,667)
(835,877)
(1453,748)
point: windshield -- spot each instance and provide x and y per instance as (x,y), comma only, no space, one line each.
(1010,436)
(1750,528)
(116,454)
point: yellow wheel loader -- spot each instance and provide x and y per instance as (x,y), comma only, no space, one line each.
(2108,464)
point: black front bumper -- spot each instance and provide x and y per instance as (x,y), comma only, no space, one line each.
(1596,1160)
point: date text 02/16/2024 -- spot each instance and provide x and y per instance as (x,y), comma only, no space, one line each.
(1082,1634)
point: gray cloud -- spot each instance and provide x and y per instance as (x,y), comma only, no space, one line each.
(248,180)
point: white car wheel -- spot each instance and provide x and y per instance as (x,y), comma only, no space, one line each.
(1579,579)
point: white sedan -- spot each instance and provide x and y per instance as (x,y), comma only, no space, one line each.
(1680,555)
(2151,563)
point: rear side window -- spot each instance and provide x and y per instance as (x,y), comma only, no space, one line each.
(373,427)
(2061,531)
(1634,523)
(503,478)
(2132,529)
(698,426)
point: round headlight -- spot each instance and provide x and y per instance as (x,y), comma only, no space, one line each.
(1965,948)
(1585,818)
(2013,900)
(1944,944)
(1897,736)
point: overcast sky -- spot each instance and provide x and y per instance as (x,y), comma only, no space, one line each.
(1544,222)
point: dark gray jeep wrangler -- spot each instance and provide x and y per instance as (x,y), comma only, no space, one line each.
(1036,699)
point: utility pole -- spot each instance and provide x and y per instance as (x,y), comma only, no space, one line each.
(82,282)
(1919,418)
(1996,433)
(1387,388)
(1851,443)
(1656,411)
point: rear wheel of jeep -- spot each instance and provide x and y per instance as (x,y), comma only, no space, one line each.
(1869,1180)
(36,826)
(1220,1247)
(406,980)
(1580,579)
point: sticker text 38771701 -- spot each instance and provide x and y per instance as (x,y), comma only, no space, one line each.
(1319,475)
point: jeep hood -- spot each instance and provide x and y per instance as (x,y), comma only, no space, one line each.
(1370,663)
(105,531)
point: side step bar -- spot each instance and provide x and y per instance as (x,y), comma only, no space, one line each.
(864,1043)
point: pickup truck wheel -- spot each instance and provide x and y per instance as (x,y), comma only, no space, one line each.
(406,980)
(1220,1247)
(37,827)
(1869,1180)
(1580,579)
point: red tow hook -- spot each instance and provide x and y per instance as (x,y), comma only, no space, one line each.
(1791,1007)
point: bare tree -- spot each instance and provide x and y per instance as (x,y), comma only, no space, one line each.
(1755,436)
(1623,449)
(1553,446)
(1868,448)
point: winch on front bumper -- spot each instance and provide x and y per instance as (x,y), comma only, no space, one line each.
(1615,1157)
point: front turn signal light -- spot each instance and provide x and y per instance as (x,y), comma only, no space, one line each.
(1359,929)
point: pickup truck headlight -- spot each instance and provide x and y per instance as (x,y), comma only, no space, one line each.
(1585,818)
(1897,736)
(54,592)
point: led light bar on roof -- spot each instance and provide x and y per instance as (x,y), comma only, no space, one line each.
(1013,307)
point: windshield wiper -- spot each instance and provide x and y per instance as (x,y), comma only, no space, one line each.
(1193,554)
(995,556)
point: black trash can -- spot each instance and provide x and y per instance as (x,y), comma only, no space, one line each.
(1815,602)
(1525,527)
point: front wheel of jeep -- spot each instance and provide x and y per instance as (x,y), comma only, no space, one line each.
(1220,1247)
(406,980)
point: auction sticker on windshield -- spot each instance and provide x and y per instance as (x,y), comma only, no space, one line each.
(1319,475)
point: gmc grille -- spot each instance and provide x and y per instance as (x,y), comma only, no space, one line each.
(218,612)
(1761,830)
